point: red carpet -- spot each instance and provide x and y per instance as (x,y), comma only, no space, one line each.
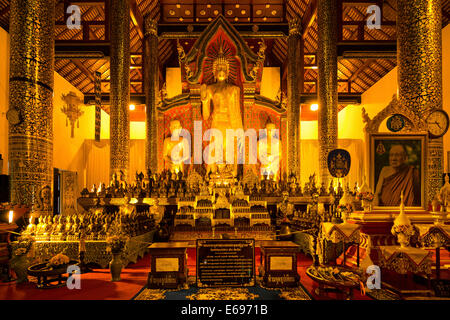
(97,285)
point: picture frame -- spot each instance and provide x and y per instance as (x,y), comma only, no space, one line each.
(398,162)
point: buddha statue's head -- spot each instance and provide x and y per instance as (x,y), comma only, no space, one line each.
(175,127)
(221,67)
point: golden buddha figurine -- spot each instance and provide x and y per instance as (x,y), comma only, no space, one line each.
(269,152)
(224,98)
(127,208)
(157,211)
(58,226)
(40,228)
(175,148)
(75,227)
(68,226)
(31,228)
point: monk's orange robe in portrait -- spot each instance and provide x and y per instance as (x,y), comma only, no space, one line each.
(406,179)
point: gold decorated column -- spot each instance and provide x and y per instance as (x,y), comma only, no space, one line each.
(120,88)
(30,100)
(327,91)
(151,90)
(294,87)
(419,58)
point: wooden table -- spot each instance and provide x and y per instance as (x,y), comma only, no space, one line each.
(343,232)
(435,236)
(279,263)
(405,261)
(168,265)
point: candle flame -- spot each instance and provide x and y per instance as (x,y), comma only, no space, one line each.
(11,216)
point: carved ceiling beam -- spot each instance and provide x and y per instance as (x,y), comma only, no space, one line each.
(136,18)
(309,16)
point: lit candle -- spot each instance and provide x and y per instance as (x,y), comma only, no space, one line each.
(11,216)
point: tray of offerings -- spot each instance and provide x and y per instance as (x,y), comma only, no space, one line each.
(50,276)
(341,278)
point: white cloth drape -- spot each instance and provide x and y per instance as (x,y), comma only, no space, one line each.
(96,158)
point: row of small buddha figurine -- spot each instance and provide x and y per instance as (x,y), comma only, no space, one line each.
(93,226)
(171,185)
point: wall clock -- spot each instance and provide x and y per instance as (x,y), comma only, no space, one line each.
(395,123)
(13,116)
(437,123)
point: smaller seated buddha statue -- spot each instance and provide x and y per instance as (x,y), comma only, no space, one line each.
(323,190)
(172,191)
(306,190)
(58,225)
(48,227)
(285,209)
(157,211)
(74,231)
(204,189)
(40,228)
(239,189)
(90,229)
(293,188)
(127,208)
(31,228)
(68,225)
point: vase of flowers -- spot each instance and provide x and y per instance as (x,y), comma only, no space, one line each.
(403,232)
(19,261)
(116,245)
(345,210)
(366,199)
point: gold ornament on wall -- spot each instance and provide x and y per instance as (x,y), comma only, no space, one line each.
(72,110)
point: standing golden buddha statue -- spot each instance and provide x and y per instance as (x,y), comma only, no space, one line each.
(221,102)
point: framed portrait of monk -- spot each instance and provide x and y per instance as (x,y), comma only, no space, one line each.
(397,163)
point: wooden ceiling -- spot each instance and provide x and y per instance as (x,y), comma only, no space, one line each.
(354,75)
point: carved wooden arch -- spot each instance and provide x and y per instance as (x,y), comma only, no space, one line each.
(250,62)
(412,122)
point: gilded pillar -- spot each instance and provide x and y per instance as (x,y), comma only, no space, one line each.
(294,88)
(120,88)
(419,59)
(151,90)
(327,91)
(31,93)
